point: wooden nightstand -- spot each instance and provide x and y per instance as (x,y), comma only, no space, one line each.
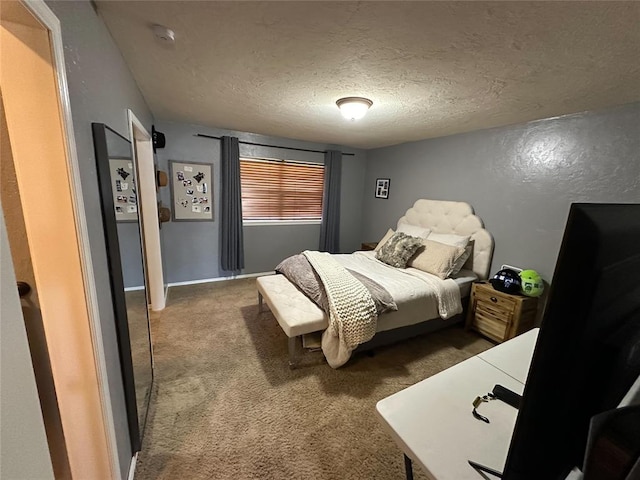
(498,315)
(368,246)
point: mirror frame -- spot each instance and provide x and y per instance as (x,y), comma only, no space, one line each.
(116,278)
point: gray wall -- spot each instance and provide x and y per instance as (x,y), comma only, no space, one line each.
(128,232)
(101,88)
(131,254)
(191,249)
(520,179)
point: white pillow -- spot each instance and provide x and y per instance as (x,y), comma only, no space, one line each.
(450,239)
(436,258)
(384,239)
(413,230)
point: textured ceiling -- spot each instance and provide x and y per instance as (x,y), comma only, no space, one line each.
(431,68)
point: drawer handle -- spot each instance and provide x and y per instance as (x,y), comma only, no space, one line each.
(494,299)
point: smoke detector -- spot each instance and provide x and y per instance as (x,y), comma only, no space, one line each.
(164,34)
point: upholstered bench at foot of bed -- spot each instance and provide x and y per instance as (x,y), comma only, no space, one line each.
(292,309)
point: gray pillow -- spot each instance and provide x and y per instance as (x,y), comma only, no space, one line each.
(398,249)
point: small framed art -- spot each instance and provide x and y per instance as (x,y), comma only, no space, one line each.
(123,188)
(382,187)
(192,191)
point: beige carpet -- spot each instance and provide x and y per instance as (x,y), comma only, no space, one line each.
(226,405)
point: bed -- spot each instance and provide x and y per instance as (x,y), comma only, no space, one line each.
(426,298)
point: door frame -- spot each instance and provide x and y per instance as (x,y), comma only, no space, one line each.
(143,154)
(47,18)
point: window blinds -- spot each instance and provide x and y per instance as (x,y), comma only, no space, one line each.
(281,190)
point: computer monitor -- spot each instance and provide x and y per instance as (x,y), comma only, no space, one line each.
(587,355)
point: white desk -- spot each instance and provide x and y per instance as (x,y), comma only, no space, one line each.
(514,356)
(432,423)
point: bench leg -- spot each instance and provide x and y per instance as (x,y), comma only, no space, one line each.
(293,352)
(259,302)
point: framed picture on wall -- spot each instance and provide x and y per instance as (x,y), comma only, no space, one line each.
(382,187)
(191,191)
(123,189)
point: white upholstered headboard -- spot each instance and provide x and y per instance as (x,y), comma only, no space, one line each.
(443,216)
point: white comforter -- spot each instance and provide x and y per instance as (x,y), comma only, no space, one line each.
(419,295)
(352,313)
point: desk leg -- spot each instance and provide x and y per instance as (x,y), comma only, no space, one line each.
(408,468)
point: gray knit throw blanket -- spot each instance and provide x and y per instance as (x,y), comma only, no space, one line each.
(352,312)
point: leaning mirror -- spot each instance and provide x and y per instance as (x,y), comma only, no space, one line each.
(117,178)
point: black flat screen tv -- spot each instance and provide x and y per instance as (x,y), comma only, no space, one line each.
(587,356)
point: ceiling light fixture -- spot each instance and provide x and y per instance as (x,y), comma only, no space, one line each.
(164,34)
(354,108)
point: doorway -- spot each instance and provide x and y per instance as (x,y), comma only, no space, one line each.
(143,153)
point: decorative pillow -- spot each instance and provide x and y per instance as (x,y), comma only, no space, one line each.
(399,249)
(384,239)
(463,241)
(414,231)
(436,258)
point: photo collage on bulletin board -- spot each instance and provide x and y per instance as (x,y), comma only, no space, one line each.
(192,191)
(123,188)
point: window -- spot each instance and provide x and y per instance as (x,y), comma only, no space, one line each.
(281,190)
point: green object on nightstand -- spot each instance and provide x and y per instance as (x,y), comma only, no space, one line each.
(532,285)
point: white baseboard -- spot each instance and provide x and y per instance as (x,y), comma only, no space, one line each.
(131,289)
(132,467)
(218,279)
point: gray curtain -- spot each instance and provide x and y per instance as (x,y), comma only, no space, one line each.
(330,229)
(232,244)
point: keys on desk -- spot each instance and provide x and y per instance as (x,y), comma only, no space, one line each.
(476,403)
(500,393)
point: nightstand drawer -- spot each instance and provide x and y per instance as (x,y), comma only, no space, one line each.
(498,315)
(495,300)
(496,311)
(489,325)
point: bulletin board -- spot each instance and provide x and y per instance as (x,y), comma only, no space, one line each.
(123,188)
(191,191)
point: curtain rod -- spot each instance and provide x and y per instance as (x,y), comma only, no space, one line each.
(272,146)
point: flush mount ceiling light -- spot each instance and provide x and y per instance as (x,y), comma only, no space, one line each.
(164,34)
(354,108)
